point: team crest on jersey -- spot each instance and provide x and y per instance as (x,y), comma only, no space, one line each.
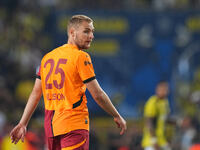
(87,63)
(86,121)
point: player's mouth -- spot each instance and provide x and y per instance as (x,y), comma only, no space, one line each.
(88,42)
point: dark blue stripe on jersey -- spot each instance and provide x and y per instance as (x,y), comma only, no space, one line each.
(37,76)
(78,103)
(90,79)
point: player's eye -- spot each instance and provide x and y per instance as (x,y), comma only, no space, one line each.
(86,31)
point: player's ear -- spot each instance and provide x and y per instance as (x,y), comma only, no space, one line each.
(72,31)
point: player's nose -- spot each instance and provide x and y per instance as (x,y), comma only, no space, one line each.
(91,36)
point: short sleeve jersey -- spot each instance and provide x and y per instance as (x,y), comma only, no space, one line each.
(63,73)
(157,109)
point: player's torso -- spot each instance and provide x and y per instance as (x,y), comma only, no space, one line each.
(161,108)
(61,83)
(162,111)
(63,92)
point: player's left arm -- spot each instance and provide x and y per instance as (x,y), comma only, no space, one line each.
(86,72)
(20,130)
(105,103)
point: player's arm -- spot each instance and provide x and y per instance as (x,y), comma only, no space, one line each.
(150,124)
(150,119)
(20,130)
(105,103)
(150,115)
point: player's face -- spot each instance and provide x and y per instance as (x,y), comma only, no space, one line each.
(84,35)
(162,90)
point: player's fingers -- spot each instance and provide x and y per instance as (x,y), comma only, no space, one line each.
(16,141)
(123,128)
(122,131)
(13,138)
(18,138)
(22,138)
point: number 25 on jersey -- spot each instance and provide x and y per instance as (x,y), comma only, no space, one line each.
(58,70)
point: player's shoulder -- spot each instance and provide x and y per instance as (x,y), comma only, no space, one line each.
(51,53)
(83,54)
(45,56)
(152,99)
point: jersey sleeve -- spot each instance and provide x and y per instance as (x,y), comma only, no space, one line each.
(85,67)
(38,72)
(150,108)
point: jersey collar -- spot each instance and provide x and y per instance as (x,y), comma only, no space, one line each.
(71,46)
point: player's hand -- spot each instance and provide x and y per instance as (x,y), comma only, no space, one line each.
(121,123)
(18,133)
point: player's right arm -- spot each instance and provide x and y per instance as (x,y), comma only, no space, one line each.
(150,125)
(105,103)
(19,130)
(150,120)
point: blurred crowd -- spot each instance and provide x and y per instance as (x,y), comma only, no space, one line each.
(25,37)
(22,36)
(105,5)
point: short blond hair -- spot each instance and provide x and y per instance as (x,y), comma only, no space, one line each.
(78,19)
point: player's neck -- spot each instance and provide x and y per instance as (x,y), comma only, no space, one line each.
(71,42)
(161,97)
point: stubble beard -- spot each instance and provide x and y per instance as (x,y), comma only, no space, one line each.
(82,46)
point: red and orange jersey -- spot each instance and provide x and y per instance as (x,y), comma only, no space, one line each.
(63,73)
